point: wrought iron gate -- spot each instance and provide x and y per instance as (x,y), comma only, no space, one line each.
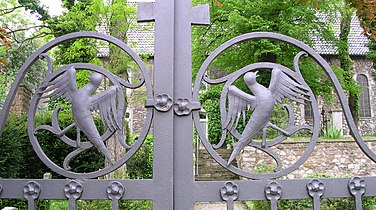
(171,105)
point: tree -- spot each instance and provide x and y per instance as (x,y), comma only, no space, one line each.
(24,39)
(234,18)
(366,12)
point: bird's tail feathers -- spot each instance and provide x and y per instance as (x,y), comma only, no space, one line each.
(121,139)
(237,148)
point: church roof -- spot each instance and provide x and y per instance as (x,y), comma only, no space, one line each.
(357,41)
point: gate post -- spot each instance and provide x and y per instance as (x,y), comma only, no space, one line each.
(173,134)
(162,12)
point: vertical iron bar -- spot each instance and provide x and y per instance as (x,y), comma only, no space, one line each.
(183,127)
(316,203)
(273,205)
(163,121)
(197,154)
(230,204)
(72,204)
(31,204)
(358,203)
(115,204)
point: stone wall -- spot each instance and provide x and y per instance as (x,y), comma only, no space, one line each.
(22,99)
(209,169)
(330,157)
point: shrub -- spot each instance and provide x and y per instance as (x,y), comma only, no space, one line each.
(332,133)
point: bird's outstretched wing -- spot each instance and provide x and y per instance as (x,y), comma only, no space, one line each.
(282,85)
(63,86)
(238,103)
(105,103)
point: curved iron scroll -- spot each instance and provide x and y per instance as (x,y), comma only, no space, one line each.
(229,79)
(117,82)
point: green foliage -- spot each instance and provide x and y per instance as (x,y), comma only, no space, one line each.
(372,54)
(140,166)
(210,102)
(291,18)
(18,154)
(332,133)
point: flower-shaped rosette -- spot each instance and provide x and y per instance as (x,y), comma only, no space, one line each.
(182,106)
(229,191)
(164,103)
(73,189)
(31,190)
(315,188)
(273,191)
(115,190)
(357,186)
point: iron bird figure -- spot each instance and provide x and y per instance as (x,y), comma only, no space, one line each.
(84,102)
(261,103)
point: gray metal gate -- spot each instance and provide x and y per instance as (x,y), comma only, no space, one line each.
(172,106)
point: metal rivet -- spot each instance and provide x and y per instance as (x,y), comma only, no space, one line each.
(115,190)
(31,190)
(73,189)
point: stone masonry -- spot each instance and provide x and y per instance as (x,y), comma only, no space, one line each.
(21,102)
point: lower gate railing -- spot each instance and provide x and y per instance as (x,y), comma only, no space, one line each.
(210,191)
(173,108)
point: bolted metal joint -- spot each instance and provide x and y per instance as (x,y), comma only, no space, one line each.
(273,191)
(73,190)
(162,103)
(115,190)
(315,188)
(184,106)
(31,190)
(357,186)
(229,191)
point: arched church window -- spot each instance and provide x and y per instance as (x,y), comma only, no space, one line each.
(365,106)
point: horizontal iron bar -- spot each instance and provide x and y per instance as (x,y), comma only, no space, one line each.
(209,191)
(93,189)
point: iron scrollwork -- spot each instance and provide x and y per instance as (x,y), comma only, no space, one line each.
(285,83)
(109,103)
(235,104)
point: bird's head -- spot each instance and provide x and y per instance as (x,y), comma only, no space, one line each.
(95,79)
(250,78)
